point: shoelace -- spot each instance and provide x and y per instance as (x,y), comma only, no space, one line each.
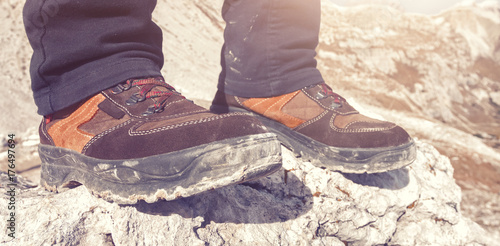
(327,92)
(146,92)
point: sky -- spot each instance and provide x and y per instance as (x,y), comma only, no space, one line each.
(412,6)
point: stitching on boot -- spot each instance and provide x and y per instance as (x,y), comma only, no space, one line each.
(60,124)
(282,102)
(333,127)
(258,102)
(287,98)
(362,121)
(132,131)
(239,101)
(100,135)
(70,125)
(328,108)
(274,111)
(157,118)
(312,120)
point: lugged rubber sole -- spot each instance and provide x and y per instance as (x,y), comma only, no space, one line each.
(167,176)
(346,160)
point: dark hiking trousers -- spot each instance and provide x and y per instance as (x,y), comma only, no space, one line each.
(83,47)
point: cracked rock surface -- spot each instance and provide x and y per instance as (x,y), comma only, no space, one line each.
(301,205)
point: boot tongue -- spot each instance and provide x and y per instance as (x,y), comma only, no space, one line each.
(155,89)
(337,99)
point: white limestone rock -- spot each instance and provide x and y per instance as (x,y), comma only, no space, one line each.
(301,205)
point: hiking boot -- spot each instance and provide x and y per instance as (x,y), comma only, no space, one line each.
(323,128)
(142,140)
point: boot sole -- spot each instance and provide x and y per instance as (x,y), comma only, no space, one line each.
(346,160)
(167,176)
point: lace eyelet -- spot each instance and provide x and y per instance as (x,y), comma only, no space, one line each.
(320,95)
(117,89)
(151,110)
(336,105)
(121,88)
(135,98)
(159,110)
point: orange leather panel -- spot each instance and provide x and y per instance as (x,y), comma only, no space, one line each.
(66,134)
(272,108)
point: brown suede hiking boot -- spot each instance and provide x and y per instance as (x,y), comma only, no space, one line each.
(322,127)
(142,140)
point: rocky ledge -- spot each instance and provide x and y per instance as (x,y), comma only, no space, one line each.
(301,205)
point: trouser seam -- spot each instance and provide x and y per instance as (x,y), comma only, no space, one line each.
(44,55)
